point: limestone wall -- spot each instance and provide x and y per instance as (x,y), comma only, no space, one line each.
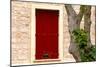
(21,29)
(21,19)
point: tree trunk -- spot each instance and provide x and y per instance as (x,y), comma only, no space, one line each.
(87,23)
(74,23)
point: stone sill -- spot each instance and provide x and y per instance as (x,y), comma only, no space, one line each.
(46,60)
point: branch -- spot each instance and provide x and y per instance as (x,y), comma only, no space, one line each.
(80,15)
(87,23)
(70,10)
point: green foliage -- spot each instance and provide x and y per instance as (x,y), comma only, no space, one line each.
(86,53)
(80,37)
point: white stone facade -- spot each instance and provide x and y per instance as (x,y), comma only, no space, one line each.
(21,13)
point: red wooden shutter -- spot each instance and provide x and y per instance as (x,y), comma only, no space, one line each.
(47,34)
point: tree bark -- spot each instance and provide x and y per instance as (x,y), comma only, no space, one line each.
(87,23)
(74,23)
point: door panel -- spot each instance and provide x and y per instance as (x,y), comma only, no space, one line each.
(46,34)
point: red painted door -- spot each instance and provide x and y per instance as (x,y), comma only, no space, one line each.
(46,34)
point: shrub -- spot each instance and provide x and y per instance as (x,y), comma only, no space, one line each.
(86,53)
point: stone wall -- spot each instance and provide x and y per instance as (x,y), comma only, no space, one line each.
(21,22)
(21,14)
